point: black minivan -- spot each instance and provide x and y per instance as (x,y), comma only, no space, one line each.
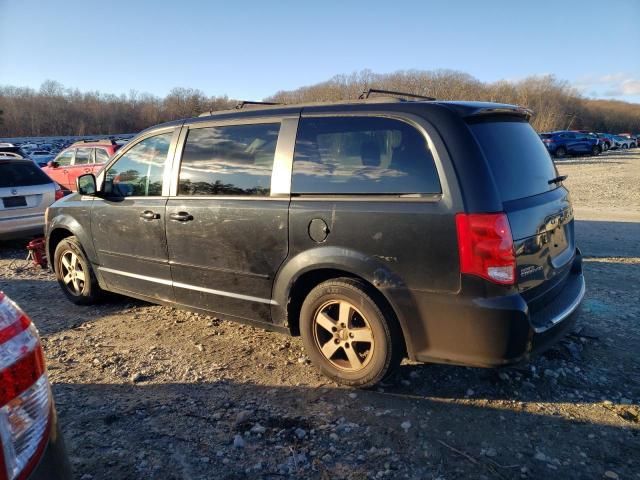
(376,229)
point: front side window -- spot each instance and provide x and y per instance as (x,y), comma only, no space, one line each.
(140,170)
(65,158)
(362,155)
(228,160)
(83,156)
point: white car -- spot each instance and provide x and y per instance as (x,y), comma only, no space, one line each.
(623,142)
(25,193)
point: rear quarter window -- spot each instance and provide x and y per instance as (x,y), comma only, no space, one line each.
(22,174)
(362,155)
(519,161)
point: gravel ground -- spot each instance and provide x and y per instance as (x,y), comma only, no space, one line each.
(149,392)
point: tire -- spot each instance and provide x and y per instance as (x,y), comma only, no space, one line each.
(74,273)
(633,145)
(624,146)
(333,314)
(561,152)
(596,150)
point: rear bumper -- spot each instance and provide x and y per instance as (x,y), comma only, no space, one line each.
(54,464)
(500,330)
(24,226)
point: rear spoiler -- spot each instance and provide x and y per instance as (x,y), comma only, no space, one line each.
(502,110)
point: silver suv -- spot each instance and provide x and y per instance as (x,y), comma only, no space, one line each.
(25,193)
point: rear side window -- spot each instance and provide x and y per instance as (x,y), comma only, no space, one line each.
(83,156)
(22,174)
(519,161)
(228,160)
(362,155)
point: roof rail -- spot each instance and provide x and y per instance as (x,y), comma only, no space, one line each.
(240,105)
(112,141)
(367,93)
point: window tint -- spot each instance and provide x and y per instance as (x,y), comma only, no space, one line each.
(139,171)
(21,174)
(519,161)
(83,156)
(360,155)
(230,160)
(101,156)
(65,158)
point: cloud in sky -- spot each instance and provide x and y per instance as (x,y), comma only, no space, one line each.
(620,85)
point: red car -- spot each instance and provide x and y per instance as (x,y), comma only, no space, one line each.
(78,159)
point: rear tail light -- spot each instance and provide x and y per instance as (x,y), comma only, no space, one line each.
(59,192)
(25,396)
(485,246)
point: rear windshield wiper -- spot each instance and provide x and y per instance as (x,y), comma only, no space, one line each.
(558,179)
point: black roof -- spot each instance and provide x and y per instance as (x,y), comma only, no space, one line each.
(461,108)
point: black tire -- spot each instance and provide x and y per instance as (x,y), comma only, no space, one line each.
(375,359)
(561,152)
(624,146)
(596,150)
(74,273)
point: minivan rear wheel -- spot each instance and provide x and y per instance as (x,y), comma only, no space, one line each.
(346,334)
(74,273)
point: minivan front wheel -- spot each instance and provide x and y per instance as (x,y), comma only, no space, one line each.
(346,334)
(74,274)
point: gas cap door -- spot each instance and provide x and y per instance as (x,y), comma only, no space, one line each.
(318,230)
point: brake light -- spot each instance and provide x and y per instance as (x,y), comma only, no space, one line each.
(59,193)
(25,396)
(485,246)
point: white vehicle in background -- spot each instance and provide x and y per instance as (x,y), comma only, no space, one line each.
(25,193)
(622,143)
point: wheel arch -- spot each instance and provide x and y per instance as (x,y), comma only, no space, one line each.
(62,227)
(308,269)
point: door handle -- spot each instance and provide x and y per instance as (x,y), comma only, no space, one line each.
(87,170)
(181,217)
(149,215)
(65,171)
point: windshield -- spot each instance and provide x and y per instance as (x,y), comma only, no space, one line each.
(519,161)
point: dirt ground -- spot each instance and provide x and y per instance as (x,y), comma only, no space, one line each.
(149,392)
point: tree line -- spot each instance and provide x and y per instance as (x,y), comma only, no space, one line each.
(56,110)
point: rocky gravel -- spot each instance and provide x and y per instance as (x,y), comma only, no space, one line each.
(149,392)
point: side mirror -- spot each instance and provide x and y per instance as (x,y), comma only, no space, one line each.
(86,184)
(53,164)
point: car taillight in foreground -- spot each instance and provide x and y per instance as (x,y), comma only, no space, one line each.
(485,246)
(25,395)
(59,193)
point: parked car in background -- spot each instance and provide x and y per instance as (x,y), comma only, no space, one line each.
(78,159)
(622,143)
(41,157)
(10,155)
(31,446)
(361,226)
(633,138)
(563,143)
(606,140)
(11,148)
(25,193)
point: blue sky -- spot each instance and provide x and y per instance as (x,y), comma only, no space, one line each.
(250,49)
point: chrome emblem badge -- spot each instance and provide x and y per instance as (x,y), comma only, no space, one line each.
(14,191)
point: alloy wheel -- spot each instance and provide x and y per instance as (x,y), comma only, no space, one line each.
(343,335)
(73,276)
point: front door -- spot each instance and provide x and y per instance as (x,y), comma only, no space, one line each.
(128,219)
(227,228)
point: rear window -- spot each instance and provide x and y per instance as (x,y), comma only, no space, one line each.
(22,174)
(519,161)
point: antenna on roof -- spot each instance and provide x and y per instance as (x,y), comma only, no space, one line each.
(367,93)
